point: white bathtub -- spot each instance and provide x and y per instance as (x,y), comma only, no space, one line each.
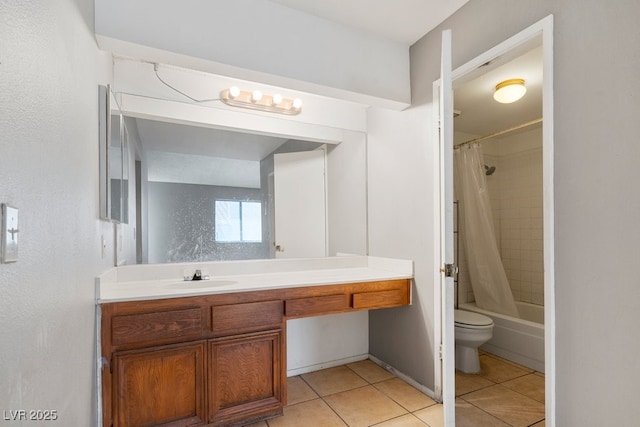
(518,340)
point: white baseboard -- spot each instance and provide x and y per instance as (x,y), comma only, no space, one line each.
(528,362)
(340,362)
(325,365)
(403,377)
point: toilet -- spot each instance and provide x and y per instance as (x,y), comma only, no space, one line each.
(471,331)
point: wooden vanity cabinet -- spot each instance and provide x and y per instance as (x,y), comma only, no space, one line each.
(216,360)
(160,385)
(193,361)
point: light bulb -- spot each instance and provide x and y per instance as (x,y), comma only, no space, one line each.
(276,99)
(234,91)
(256,96)
(297,104)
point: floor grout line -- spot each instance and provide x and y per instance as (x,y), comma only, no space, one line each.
(488,413)
(368,383)
(373,375)
(494,383)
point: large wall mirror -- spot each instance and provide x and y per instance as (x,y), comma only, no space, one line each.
(208,194)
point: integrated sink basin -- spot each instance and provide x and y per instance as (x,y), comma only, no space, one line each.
(200,284)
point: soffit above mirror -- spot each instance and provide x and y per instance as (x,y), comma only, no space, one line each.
(150,90)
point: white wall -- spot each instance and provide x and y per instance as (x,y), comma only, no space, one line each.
(401,225)
(596,209)
(49,170)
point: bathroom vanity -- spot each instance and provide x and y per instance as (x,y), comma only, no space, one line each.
(178,353)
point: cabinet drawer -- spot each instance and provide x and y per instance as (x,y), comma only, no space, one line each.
(317,305)
(380,299)
(246,317)
(162,325)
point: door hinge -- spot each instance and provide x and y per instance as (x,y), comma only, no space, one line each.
(450,270)
(440,351)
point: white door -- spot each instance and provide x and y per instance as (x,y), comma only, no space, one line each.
(447,343)
(300,208)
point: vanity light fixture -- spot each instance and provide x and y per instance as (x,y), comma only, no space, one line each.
(509,91)
(256,96)
(256,100)
(234,92)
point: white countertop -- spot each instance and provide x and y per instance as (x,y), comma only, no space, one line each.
(144,282)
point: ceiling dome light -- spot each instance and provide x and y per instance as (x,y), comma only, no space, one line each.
(297,104)
(509,91)
(276,99)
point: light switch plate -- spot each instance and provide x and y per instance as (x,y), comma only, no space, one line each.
(10,232)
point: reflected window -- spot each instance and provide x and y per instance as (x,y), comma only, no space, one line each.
(238,221)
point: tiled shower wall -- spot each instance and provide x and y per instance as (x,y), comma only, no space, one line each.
(515,191)
(519,216)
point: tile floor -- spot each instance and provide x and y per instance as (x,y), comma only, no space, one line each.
(503,394)
(354,395)
(364,394)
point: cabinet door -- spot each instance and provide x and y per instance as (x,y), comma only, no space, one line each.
(162,385)
(246,377)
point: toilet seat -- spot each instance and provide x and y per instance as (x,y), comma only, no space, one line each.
(470,320)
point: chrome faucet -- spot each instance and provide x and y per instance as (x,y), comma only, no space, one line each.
(196,276)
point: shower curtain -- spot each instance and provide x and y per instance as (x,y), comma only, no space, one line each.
(488,278)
